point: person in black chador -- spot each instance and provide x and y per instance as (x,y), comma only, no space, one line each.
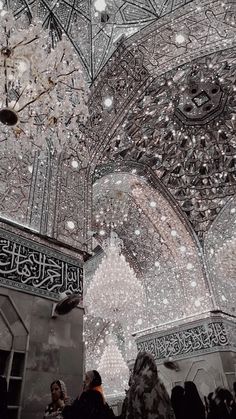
(178,402)
(91,404)
(3,398)
(194,407)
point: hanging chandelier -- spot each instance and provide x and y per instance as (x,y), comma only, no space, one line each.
(113,369)
(115,293)
(42,90)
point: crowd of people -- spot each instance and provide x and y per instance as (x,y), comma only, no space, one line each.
(187,403)
(146,398)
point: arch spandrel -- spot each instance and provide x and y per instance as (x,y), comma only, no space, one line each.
(220,251)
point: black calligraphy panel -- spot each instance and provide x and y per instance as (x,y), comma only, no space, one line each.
(42,270)
(201,338)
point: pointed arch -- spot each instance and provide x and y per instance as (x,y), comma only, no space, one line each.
(160,242)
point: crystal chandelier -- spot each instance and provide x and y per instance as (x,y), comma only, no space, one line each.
(114,370)
(115,293)
(42,90)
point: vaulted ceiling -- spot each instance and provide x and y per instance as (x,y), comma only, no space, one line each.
(162,109)
(164,100)
(94,34)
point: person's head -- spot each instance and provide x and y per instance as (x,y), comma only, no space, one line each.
(223,396)
(58,390)
(190,387)
(177,392)
(144,371)
(92,379)
(191,391)
(144,364)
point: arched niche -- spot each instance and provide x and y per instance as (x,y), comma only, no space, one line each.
(220,251)
(13,352)
(158,241)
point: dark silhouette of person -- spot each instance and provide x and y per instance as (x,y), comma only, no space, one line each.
(91,404)
(3,398)
(223,400)
(211,406)
(194,406)
(178,402)
(234,388)
(147,396)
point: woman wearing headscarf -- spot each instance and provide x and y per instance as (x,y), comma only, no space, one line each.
(58,395)
(91,404)
(177,401)
(194,406)
(147,397)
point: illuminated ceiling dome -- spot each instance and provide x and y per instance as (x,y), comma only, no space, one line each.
(94,27)
(161,108)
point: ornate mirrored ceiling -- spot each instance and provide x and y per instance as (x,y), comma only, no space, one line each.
(94,27)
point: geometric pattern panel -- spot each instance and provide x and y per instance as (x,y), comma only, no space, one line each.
(15,180)
(184,128)
(220,252)
(93,33)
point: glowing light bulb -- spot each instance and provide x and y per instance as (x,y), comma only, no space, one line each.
(197,303)
(100,5)
(179,38)
(75,164)
(108,101)
(71,225)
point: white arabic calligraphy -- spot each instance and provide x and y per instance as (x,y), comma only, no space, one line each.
(21,264)
(185,342)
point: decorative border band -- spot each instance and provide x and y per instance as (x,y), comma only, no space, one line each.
(37,269)
(210,336)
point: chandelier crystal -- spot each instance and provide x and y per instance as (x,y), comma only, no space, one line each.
(115,293)
(42,90)
(114,370)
